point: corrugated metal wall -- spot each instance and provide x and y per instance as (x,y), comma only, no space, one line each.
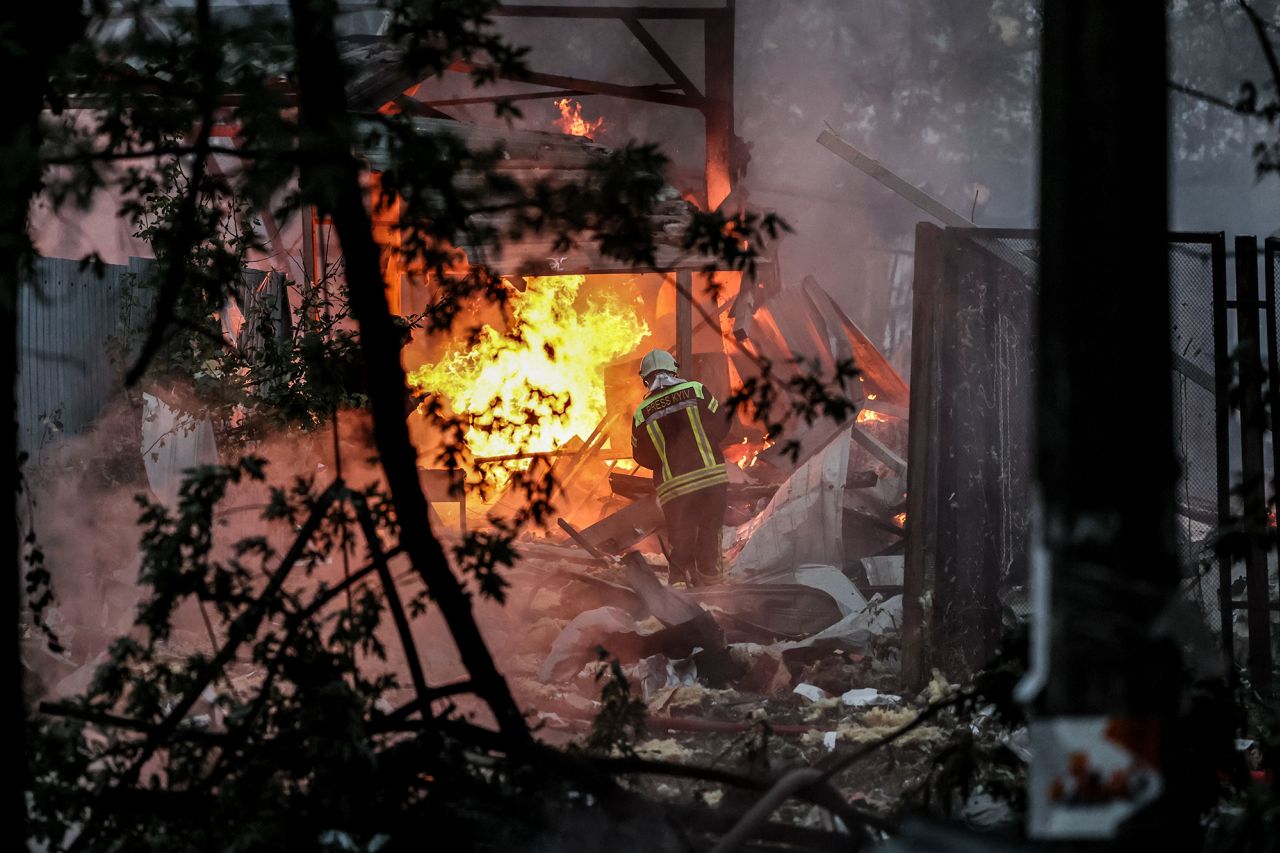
(67,320)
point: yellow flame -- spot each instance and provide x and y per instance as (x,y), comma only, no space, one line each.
(572,122)
(539,384)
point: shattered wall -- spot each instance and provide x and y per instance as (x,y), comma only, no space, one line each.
(803,521)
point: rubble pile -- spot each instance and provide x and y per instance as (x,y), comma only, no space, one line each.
(793,655)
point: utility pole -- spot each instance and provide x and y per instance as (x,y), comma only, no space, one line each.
(1104,686)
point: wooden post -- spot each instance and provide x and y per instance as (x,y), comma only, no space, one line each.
(1253,475)
(718,56)
(310,279)
(922,454)
(684,320)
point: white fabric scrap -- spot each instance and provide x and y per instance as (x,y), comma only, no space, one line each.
(868,697)
(811,692)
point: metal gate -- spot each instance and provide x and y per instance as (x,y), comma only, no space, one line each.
(970,466)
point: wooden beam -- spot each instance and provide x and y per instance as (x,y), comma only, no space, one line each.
(535,96)
(684,321)
(660,55)
(718,57)
(907,190)
(664,13)
(648,93)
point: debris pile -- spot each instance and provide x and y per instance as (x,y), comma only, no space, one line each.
(798,645)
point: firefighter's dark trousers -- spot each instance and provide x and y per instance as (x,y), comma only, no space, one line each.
(693,532)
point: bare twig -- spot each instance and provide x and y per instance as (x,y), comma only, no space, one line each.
(1264,41)
(115,721)
(185,235)
(1201,95)
(244,627)
(410,648)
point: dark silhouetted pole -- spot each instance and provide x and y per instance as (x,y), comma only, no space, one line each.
(1105,454)
(33,36)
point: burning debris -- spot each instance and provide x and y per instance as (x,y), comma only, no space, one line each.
(539,384)
(572,122)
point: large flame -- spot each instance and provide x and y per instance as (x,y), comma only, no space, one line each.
(572,122)
(539,384)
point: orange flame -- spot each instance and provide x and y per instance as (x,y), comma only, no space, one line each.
(572,122)
(900,519)
(866,416)
(745,455)
(539,384)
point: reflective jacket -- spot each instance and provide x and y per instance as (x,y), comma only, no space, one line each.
(677,432)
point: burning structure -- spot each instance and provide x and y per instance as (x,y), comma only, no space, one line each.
(548,385)
(841,530)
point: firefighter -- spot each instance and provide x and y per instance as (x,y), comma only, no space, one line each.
(676,432)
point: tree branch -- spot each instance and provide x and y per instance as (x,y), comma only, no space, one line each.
(1260,28)
(184,236)
(335,188)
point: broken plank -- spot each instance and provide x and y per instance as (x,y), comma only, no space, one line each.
(577,537)
(879,450)
(902,187)
(620,530)
(551,553)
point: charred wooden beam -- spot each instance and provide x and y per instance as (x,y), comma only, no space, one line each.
(650,93)
(663,13)
(660,55)
(892,180)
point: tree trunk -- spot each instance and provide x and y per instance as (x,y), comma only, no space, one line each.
(32,36)
(332,183)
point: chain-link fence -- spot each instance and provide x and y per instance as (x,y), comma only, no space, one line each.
(1195,416)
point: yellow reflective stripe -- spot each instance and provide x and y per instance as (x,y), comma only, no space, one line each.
(689,477)
(716,473)
(713,405)
(679,487)
(700,438)
(660,445)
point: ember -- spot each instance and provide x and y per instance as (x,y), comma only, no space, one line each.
(537,385)
(572,122)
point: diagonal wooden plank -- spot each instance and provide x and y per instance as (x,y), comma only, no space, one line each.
(660,55)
